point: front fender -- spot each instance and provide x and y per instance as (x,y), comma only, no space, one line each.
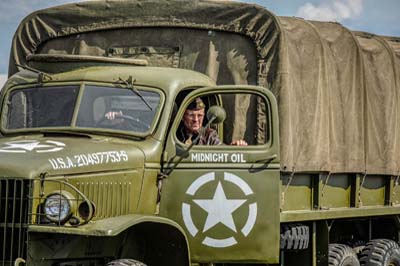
(155,240)
(105,227)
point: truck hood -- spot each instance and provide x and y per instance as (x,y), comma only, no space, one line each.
(29,156)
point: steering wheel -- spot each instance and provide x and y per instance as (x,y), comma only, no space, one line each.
(133,122)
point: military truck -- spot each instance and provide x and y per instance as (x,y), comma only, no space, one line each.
(318,104)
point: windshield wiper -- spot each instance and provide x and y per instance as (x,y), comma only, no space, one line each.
(129,84)
(42,76)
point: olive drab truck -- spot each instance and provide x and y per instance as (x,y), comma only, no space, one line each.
(317,103)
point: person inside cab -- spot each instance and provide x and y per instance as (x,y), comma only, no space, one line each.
(192,125)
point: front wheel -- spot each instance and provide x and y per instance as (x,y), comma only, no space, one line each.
(342,255)
(125,262)
(380,252)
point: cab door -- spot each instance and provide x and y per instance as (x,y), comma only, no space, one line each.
(227,197)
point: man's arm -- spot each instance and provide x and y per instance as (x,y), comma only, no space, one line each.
(211,138)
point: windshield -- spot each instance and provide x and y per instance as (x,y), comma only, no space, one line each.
(98,108)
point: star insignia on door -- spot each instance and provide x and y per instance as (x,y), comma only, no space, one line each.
(220,210)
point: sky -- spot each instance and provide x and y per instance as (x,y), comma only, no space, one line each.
(380,17)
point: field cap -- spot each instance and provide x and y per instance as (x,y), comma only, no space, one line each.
(196,104)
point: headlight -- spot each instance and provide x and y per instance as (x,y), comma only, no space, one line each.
(58,207)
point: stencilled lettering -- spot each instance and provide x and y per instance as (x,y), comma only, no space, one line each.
(88,159)
(217,157)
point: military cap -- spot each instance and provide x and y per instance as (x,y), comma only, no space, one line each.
(196,104)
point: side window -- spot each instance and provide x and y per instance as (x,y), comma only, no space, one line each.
(246,123)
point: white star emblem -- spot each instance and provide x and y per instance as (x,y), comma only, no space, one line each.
(26,146)
(219,209)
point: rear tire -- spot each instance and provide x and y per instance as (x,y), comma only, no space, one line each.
(125,262)
(380,252)
(342,255)
(294,237)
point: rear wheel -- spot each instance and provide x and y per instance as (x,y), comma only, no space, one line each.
(380,252)
(125,262)
(342,255)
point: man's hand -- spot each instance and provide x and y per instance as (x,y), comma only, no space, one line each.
(114,118)
(111,115)
(239,142)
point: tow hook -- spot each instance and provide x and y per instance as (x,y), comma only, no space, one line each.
(19,262)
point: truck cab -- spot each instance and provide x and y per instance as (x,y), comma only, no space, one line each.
(105,190)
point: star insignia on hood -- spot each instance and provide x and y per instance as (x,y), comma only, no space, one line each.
(24,146)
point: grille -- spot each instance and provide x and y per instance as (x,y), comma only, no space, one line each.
(111,198)
(14,207)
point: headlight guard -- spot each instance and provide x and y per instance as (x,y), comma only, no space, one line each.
(59,206)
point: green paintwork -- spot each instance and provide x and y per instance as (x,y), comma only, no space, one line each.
(34,165)
(342,213)
(264,181)
(124,192)
(93,241)
(256,245)
(317,196)
(149,197)
(106,227)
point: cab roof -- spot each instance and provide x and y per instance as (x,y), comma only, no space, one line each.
(170,80)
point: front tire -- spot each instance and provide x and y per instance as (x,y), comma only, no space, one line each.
(380,252)
(125,262)
(342,255)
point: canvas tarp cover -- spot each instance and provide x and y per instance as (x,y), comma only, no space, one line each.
(337,90)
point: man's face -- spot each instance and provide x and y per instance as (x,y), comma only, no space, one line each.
(193,120)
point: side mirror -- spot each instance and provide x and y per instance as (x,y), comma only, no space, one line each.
(216,114)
